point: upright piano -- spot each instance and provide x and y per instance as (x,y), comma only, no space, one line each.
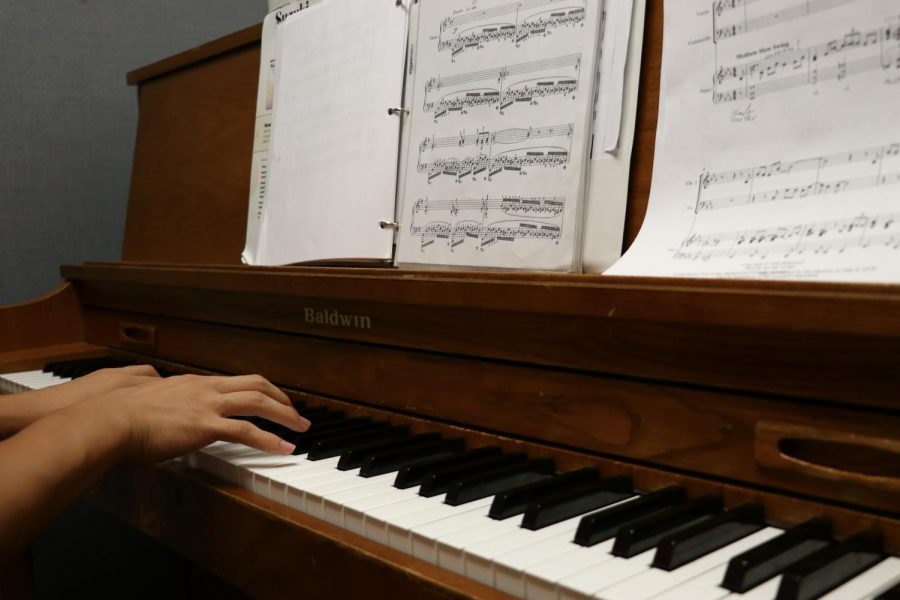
(777,402)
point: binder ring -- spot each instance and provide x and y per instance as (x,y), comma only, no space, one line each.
(398,111)
(389,224)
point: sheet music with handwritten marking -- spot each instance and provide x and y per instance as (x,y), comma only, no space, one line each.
(778,147)
(499,133)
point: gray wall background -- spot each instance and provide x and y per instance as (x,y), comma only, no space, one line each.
(68,121)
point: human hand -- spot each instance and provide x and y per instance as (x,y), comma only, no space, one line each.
(105,380)
(164,418)
(20,410)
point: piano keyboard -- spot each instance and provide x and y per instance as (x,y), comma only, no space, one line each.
(517,525)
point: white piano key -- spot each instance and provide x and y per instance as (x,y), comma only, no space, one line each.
(479,557)
(317,497)
(221,464)
(33,380)
(869,584)
(703,587)
(764,591)
(400,527)
(357,509)
(510,568)
(654,581)
(377,520)
(259,472)
(335,504)
(591,580)
(425,538)
(542,579)
(295,487)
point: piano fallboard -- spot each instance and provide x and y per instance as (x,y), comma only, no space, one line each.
(776,386)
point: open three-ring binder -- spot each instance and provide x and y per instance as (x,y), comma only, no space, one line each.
(430,133)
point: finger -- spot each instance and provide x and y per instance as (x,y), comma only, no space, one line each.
(131,371)
(244,432)
(258,404)
(256,383)
(140,370)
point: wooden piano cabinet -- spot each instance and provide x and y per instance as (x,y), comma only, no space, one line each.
(266,549)
(193,149)
(669,425)
(785,393)
(44,329)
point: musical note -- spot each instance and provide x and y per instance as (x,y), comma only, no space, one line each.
(823,175)
(795,239)
(510,150)
(854,53)
(503,86)
(487,221)
(514,22)
(745,22)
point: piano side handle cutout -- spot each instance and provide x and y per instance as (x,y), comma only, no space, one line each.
(860,459)
(135,335)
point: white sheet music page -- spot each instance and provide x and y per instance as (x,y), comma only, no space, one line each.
(334,147)
(778,147)
(500,126)
(265,97)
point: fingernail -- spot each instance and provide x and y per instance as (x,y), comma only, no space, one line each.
(305,423)
(286,447)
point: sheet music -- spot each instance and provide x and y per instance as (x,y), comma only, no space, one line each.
(778,148)
(499,128)
(613,56)
(334,149)
(607,196)
(265,96)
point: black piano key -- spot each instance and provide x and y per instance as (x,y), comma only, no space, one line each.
(355,457)
(579,500)
(338,447)
(335,446)
(514,501)
(757,565)
(304,441)
(643,534)
(394,460)
(831,566)
(892,593)
(602,526)
(502,478)
(80,367)
(321,414)
(439,481)
(415,473)
(325,423)
(690,544)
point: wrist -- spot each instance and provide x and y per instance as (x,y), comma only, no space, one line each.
(104,432)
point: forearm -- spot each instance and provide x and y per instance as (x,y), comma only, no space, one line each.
(46,466)
(18,411)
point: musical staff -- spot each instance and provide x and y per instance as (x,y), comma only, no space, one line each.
(514,22)
(511,150)
(780,181)
(504,86)
(486,221)
(508,205)
(732,18)
(784,241)
(853,54)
